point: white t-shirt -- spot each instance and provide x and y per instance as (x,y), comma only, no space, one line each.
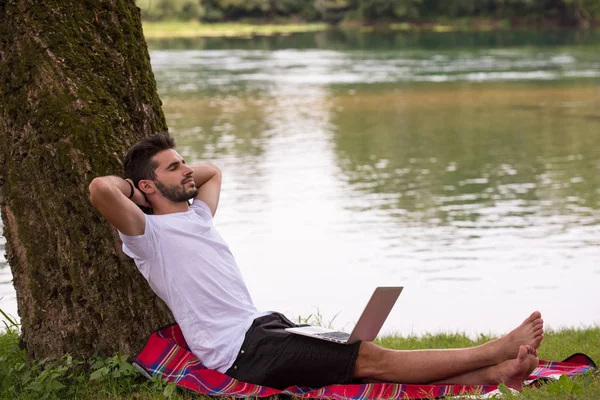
(190,267)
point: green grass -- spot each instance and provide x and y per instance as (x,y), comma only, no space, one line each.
(192,29)
(66,378)
(557,345)
(114,378)
(178,29)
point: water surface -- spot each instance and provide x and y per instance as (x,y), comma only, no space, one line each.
(461,166)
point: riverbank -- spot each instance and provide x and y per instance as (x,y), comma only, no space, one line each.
(194,29)
(177,29)
(115,378)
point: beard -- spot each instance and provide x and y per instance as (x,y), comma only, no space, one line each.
(176,193)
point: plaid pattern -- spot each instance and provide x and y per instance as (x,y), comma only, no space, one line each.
(166,355)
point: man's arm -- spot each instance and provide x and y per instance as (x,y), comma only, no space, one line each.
(207,178)
(109,195)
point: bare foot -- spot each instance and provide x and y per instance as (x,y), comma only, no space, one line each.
(513,372)
(529,333)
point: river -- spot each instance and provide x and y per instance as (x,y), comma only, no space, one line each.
(462,166)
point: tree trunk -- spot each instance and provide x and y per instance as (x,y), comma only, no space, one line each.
(580,21)
(332,11)
(76,91)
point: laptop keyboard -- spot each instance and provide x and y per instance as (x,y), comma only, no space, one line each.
(337,336)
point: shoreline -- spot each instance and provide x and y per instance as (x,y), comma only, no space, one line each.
(195,29)
(188,30)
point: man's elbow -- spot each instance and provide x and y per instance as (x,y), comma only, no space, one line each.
(218,173)
(96,188)
(215,170)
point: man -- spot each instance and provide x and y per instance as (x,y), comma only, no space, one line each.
(178,250)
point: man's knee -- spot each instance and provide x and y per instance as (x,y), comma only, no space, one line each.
(370,360)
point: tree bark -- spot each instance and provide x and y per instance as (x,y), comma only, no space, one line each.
(76,91)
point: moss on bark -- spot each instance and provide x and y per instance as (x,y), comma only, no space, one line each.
(76,91)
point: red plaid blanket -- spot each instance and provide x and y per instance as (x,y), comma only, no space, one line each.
(167,356)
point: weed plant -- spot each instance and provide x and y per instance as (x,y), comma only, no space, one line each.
(67,378)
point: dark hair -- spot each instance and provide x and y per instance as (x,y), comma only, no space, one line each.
(138,161)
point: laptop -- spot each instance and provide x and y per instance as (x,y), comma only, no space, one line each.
(369,324)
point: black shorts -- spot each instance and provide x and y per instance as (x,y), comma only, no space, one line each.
(272,357)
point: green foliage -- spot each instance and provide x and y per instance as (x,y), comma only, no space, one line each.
(587,9)
(111,367)
(565,386)
(388,9)
(154,10)
(219,10)
(304,10)
(43,379)
(234,10)
(66,377)
(333,11)
(586,386)
(506,392)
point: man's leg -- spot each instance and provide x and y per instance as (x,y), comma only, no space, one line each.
(427,366)
(510,372)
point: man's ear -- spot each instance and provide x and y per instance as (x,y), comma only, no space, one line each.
(146,186)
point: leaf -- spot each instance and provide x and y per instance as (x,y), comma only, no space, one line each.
(586,380)
(504,390)
(13,322)
(553,388)
(69,360)
(42,377)
(169,390)
(98,363)
(99,373)
(34,386)
(578,388)
(20,367)
(566,384)
(55,386)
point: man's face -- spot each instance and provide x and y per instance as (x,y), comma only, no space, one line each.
(173,178)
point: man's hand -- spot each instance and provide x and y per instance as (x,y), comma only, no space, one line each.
(138,196)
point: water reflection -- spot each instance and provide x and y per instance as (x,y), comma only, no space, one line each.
(463,166)
(8,299)
(352,40)
(247,71)
(442,154)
